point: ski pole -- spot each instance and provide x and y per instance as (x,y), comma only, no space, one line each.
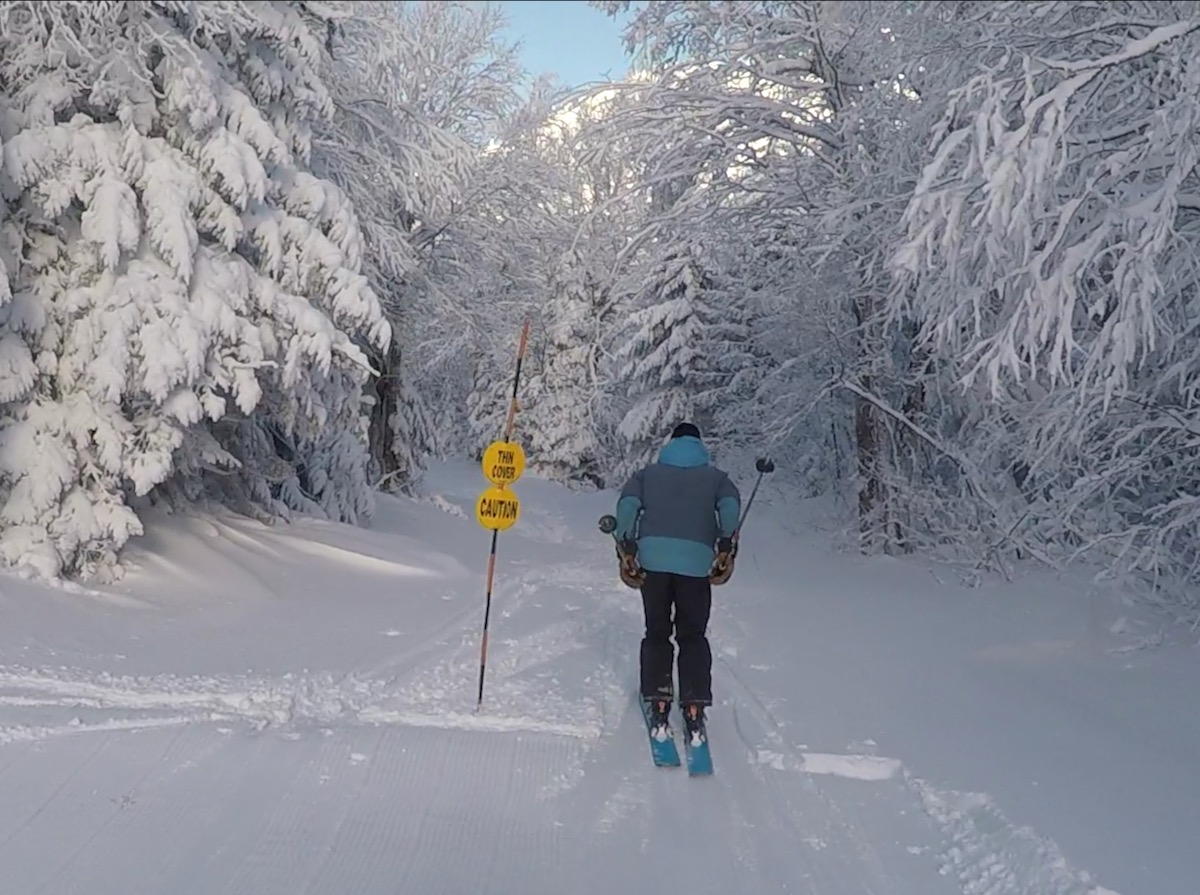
(764,466)
(491,567)
(722,571)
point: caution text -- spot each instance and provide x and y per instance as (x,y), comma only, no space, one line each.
(499,509)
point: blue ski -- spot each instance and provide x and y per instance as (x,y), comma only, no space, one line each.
(695,750)
(664,752)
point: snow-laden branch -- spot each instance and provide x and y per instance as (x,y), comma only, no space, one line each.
(1133,50)
(1040,245)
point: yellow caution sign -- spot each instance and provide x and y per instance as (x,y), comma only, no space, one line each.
(497,509)
(503,462)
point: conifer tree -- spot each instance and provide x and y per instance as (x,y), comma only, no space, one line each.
(186,310)
(661,362)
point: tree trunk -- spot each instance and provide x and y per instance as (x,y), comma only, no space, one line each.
(870,488)
(872,524)
(919,465)
(381,435)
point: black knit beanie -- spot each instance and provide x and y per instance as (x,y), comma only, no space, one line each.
(685,429)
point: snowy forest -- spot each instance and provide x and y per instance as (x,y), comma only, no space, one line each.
(941,260)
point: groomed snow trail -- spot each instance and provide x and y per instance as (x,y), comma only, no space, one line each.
(376,776)
(194,810)
(322,784)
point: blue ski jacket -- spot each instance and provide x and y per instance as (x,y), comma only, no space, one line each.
(677,508)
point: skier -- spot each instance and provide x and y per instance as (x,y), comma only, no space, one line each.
(670,516)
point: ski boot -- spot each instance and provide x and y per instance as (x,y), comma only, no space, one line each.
(693,722)
(660,719)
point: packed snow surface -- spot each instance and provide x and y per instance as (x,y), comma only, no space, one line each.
(291,709)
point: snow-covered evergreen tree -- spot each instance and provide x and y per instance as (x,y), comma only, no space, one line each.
(792,124)
(565,400)
(552,266)
(418,89)
(187,296)
(736,356)
(662,358)
(488,401)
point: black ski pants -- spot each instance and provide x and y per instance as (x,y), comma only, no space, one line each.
(691,599)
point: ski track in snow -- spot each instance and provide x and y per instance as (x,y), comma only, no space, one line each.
(980,848)
(357,782)
(990,856)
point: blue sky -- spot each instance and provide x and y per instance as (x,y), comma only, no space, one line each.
(567,38)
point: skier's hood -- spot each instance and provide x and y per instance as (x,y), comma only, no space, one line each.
(685,451)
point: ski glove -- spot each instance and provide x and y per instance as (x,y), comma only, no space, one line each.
(631,572)
(726,550)
(722,566)
(629,547)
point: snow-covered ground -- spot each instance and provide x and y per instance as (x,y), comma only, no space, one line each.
(264,710)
